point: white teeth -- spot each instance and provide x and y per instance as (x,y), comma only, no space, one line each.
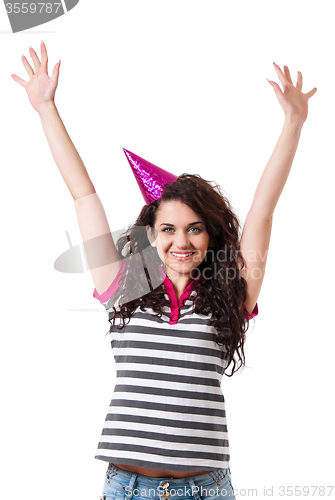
(182,255)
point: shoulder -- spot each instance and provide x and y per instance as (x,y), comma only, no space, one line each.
(110,294)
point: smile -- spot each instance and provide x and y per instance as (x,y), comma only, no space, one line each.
(182,256)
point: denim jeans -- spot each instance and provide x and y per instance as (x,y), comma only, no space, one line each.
(123,485)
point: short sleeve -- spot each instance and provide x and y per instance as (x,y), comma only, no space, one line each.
(254,313)
(105,297)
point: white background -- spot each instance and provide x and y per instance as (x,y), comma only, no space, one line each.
(182,84)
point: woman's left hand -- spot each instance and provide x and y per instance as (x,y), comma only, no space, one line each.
(292,100)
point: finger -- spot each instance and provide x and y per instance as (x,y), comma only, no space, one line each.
(281,76)
(276,87)
(299,81)
(55,72)
(19,80)
(311,92)
(35,59)
(44,57)
(27,66)
(287,74)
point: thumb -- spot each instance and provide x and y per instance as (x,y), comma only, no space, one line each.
(311,93)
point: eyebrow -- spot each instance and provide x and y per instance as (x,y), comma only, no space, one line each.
(190,224)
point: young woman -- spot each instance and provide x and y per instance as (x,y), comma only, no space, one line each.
(178,289)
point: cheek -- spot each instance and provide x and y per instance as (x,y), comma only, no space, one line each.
(162,242)
(205,243)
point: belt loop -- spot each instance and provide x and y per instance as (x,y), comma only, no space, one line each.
(129,490)
(194,491)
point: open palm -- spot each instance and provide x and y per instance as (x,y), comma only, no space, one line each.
(293,101)
(40,87)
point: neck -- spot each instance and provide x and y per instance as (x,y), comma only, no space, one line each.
(179,284)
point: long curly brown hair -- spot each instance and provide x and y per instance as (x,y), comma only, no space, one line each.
(222,294)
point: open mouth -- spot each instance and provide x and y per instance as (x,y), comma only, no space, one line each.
(182,256)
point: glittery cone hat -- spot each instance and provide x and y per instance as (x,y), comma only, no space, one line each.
(150,178)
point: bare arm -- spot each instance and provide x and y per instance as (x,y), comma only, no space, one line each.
(258,224)
(66,157)
(101,253)
(257,228)
(276,172)
(102,256)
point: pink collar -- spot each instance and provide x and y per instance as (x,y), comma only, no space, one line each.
(177,303)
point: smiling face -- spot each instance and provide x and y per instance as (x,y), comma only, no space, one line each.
(179,231)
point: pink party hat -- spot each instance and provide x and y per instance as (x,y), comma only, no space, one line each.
(150,178)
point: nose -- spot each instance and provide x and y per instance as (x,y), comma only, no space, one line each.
(181,240)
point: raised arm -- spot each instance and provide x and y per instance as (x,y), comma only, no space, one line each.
(258,224)
(102,256)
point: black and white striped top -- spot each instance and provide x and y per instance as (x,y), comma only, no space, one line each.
(167,410)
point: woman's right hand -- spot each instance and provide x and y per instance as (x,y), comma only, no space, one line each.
(40,88)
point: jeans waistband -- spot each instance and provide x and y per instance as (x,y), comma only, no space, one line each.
(155,482)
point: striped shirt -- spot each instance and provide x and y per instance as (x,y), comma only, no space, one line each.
(168,410)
